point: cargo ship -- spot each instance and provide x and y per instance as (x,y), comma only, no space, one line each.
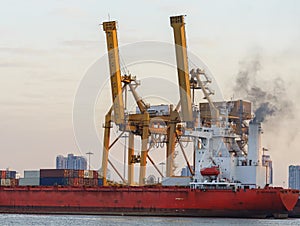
(230,174)
(148,201)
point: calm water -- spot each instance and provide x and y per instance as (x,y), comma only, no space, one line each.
(74,220)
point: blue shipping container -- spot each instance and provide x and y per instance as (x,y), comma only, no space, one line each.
(100,181)
(11,174)
(50,181)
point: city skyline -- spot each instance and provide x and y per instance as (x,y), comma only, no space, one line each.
(71,162)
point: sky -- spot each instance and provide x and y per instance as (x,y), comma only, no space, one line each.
(47,47)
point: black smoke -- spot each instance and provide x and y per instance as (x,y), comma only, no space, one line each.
(269,97)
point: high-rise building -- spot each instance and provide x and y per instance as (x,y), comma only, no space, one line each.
(294,177)
(61,162)
(71,162)
(185,172)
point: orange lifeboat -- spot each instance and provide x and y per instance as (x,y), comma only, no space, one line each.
(210,171)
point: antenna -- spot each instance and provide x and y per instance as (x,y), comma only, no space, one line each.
(108,17)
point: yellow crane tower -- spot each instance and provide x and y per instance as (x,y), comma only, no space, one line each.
(116,89)
(115,73)
(177,22)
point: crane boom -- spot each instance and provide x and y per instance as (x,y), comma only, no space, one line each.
(115,73)
(177,22)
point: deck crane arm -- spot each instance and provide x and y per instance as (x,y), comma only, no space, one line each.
(139,101)
(177,22)
(115,73)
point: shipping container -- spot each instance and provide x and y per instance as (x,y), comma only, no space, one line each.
(69,173)
(88,174)
(3,174)
(80,173)
(14,182)
(71,181)
(9,182)
(10,174)
(95,174)
(3,182)
(51,181)
(80,181)
(90,182)
(54,173)
(76,182)
(75,173)
(31,181)
(100,181)
(31,173)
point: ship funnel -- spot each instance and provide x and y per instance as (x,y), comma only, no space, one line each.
(254,145)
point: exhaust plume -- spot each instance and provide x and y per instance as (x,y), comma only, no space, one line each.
(269,97)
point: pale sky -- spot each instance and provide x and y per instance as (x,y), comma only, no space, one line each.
(46,47)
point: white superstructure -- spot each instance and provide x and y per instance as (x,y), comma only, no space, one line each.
(227,137)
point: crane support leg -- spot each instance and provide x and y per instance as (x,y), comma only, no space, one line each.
(171,135)
(130,162)
(144,152)
(107,127)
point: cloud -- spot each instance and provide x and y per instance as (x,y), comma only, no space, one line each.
(80,43)
(72,12)
(13,64)
(205,41)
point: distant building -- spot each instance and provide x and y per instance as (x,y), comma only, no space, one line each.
(294,177)
(61,162)
(268,163)
(185,172)
(71,162)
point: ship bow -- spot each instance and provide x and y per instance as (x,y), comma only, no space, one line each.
(289,198)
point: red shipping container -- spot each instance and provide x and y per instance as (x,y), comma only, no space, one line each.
(53,173)
(3,174)
(80,173)
(75,182)
(95,174)
(14,182)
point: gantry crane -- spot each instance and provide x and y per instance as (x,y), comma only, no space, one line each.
(139,123)
(135,124)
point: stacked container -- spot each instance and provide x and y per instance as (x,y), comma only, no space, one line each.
(31,178)
(8,178)
(69,177)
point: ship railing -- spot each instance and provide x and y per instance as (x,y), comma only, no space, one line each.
(214,186)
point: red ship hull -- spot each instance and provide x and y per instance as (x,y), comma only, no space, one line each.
(155,201)
(296,211)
